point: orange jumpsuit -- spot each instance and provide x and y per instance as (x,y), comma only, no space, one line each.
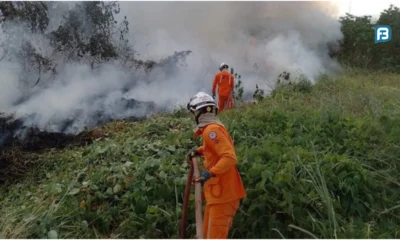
(224,189)
(226,83)
(230,102)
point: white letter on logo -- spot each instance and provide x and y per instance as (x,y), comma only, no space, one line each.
(383,32)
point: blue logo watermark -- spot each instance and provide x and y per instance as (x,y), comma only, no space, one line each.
(383,33)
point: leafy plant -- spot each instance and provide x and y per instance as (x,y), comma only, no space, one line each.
(238,91)
(303,84)
(258,94)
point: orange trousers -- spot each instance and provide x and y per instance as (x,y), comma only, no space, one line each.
(218,219)
(225,102)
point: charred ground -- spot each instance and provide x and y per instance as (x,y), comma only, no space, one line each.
(21,145)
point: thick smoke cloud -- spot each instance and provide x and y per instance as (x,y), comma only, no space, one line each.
(258,39)
(273,36)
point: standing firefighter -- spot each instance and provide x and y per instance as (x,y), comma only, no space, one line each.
(226,84)
(223,187)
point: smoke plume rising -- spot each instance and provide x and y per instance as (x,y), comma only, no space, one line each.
(258,39)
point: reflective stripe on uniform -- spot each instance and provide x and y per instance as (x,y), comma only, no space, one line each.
(220,79)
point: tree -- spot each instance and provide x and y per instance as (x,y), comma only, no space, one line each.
(34,14)
(389,52)
(89,33)
(357,49)
(356,46)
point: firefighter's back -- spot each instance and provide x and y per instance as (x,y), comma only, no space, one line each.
(224,80)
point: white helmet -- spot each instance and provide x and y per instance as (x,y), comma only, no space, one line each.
(222,66)
(200,100)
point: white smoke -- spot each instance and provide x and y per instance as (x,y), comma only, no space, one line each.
(276,36)
(258,39)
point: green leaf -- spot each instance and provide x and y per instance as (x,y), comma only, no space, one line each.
(84,224)
(171,148)
(117,188)
(148,177)
(163,175)
(74,191)
(52,234)
(109,191)
(128,163)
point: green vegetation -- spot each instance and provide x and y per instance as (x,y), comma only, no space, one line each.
(319,163)
(357,49)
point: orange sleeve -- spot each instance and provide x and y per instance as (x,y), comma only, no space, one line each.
(219,144)
(214,86)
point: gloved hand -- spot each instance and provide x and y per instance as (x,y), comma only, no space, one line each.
(204,177)
(192,153)
(213,96)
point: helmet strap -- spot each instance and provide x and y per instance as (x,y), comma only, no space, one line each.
(208,109)
(197,117)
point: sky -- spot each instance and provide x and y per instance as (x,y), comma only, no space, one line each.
(366,7)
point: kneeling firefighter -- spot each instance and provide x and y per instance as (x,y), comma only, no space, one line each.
(223,187)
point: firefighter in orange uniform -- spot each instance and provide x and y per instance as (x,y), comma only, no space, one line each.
(226,84)
(223,187)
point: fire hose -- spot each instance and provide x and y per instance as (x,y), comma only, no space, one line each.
(193,172)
